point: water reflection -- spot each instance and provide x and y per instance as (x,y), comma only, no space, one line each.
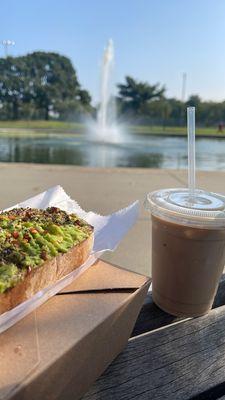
(141,160)
(140,151)
(39,151)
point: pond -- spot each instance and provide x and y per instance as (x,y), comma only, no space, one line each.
(135,151)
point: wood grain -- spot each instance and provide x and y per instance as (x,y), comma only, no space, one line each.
(176,362)
(181,359)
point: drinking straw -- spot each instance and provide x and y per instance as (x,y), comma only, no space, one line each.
(191,149)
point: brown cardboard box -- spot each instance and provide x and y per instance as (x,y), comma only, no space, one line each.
(59,350)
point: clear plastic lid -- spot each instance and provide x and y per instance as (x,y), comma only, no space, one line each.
(202,209)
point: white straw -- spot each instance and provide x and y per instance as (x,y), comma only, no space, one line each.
(191,148)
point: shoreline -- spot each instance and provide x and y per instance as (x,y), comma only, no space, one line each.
(19,132)
(69,128)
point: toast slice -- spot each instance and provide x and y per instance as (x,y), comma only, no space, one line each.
(42,234)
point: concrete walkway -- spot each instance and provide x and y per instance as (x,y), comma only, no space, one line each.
(103,191)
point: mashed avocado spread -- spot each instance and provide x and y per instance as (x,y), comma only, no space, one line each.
(29,237)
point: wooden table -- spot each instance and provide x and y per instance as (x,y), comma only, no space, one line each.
(169,358)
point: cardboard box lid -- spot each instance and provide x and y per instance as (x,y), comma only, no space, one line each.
(36,346)
(105,276)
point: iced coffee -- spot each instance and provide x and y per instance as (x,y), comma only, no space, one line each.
(188,249)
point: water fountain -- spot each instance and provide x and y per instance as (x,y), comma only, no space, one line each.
(106,129)
(104,114)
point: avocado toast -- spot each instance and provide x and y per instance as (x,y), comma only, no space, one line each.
(38,247)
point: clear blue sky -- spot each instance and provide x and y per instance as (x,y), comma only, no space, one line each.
(155,40)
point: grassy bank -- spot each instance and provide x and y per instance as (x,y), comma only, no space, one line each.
(21,127)
(36,124)
(173,130)
(43,125)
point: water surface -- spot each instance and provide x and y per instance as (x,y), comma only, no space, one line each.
(135,151)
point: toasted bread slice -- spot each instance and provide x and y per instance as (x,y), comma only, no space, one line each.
(46,275)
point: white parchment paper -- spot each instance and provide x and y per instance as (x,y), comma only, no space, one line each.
(108,232)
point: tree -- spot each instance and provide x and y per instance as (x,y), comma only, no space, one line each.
(13,86)
(40,84)
(177,115)
(53,82)
(194,101)
(134,96)
(84,97)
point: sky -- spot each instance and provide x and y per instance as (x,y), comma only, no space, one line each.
(155,40)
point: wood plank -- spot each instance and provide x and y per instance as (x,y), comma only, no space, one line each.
(151,317)
(180,361)
(220,296)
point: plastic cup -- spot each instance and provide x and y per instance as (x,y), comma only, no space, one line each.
(188,249)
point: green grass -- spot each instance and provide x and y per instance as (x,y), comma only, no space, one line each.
(71,128)
(173,130)
(40,128)
(46,125)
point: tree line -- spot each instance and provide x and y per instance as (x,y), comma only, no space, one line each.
(148,104)
(44,85)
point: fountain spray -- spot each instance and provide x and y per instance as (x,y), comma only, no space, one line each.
(105,128)
(103,117)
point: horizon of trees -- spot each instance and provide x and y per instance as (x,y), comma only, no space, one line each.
(143,103)
(43,85)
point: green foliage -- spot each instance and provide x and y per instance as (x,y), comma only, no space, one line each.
(40,85)
(194,101)
(134,96)
(44,85)
(142,103)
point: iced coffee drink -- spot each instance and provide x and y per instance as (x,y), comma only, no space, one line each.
(188,249)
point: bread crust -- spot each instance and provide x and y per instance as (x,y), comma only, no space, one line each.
(46,275)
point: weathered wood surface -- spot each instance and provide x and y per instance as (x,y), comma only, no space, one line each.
(152,317)
(176,362)
(180,360)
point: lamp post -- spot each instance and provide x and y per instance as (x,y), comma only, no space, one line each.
(183,96)
(183,89)
(6,44)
